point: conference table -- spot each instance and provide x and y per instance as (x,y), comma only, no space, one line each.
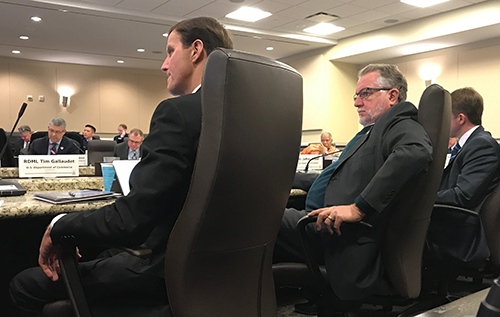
(23,220)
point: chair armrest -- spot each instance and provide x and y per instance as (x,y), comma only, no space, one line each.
(453,209)
(68,261)
(308,252)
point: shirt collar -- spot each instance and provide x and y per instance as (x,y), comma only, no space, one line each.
(197,88)
(466,136)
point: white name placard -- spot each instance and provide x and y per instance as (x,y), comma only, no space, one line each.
(315,164)
(48,165)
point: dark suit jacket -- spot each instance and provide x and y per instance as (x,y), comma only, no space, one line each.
(389,158)
(18,146)
(40,146)
(159,185)
(85,142)
(121,151)
(467,181)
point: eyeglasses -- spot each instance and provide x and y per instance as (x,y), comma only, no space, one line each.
(135,142)
(367,92)
(55,131)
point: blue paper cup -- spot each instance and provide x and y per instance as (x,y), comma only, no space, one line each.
(108,175)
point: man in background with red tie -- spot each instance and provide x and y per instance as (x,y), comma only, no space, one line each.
(55,142)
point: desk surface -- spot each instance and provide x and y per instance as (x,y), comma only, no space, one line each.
(27,206)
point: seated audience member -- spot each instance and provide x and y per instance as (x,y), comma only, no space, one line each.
(122,133)
(7,159)
(472,173)
(24,142)
(387,155)
(159,185)
(130,150)
(325,146)
(55,142)
(88,135)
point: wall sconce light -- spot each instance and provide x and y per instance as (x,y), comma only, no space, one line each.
(65,94)
(429,73)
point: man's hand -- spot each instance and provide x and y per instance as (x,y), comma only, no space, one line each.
(47,259)
(335,215)
(322,149)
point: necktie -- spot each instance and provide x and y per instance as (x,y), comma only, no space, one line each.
(316,194)
(454,151)
(134,155)
(53,149)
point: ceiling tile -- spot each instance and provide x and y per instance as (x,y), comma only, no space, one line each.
(369,16)
(297,12)
(320,5)
(450,5)
(367,27)
(371,4)
(419,13)
(346,10)
(270,6)
(396,8)
(144,5)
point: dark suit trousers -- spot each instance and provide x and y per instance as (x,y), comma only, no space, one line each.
(104,279)
(288,248)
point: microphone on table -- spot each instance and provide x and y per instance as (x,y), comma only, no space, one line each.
(21,112)
(322,155)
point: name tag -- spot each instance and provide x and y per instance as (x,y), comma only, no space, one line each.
(314,164)
(48,165)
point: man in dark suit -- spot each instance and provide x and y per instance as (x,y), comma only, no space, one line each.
(387,155)
(24,141)
(88,135)
(159,185)
(130,150)
(473,171)
(55,142)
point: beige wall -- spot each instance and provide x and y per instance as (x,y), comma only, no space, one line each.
(103,96)
(328,90)
(476,65)
(468,66)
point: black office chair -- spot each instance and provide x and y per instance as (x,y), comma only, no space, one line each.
(404,238)
(97,149)
(443,269)
(219,253)
(7,160)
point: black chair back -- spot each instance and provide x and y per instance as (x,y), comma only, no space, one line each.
(97,149)
(407,227)
(219,254)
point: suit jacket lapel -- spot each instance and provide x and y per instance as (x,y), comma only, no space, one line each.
(353,150)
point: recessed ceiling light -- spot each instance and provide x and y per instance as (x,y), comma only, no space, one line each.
(63,10)
(165,34)
(120,61)
(423,3)
(141,50)
(16,52)
(24,37)
(248,14)
(324,29)
(36,19)
(269,48)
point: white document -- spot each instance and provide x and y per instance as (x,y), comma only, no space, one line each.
(123,169)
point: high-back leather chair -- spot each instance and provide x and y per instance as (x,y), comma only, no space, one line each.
(219,253)
(404,238)
(97,149)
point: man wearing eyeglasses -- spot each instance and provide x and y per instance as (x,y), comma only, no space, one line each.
(132,149)
(55,142)
(383,158)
